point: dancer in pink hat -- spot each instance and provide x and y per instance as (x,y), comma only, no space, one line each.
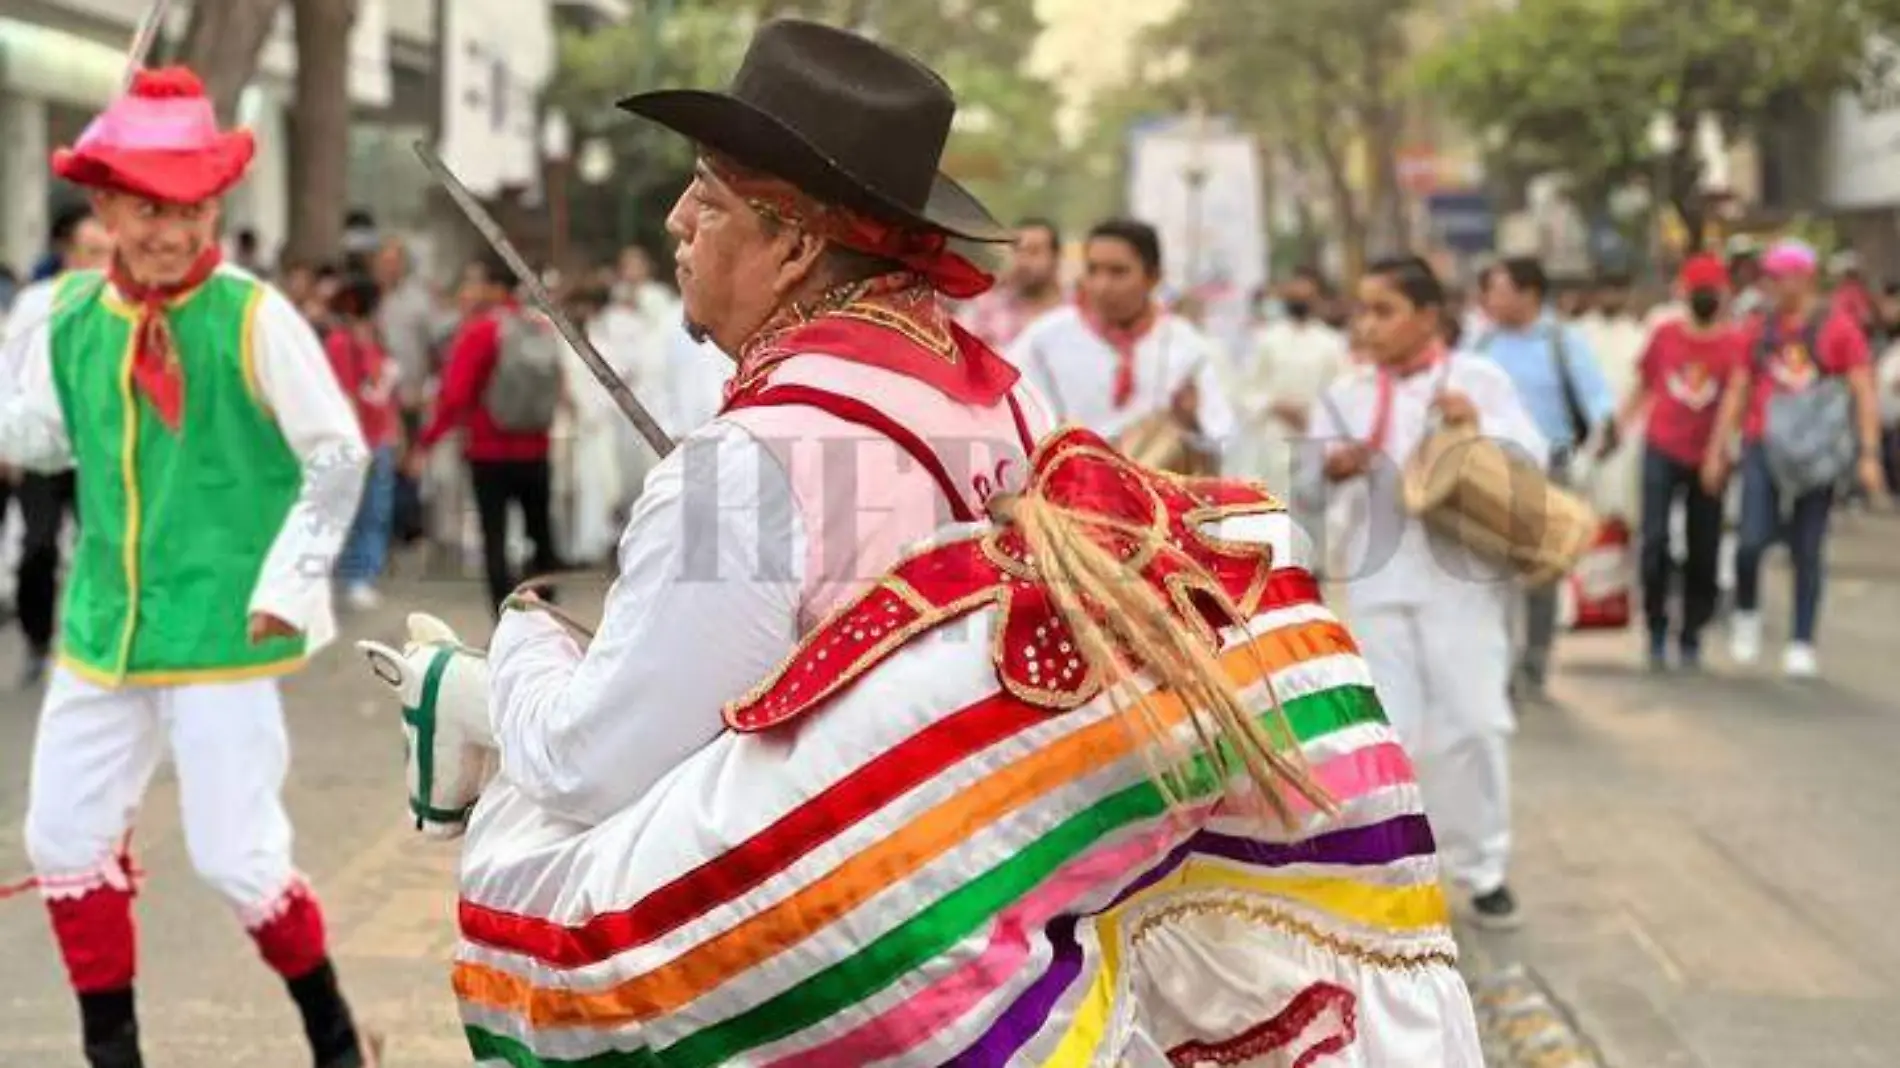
(219,466)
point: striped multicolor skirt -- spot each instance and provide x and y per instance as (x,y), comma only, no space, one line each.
(931,871)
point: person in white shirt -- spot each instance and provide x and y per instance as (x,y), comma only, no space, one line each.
(1294,358)
(635,329)
(1613,480)
(215,494)
(1116,360)
(1433,619)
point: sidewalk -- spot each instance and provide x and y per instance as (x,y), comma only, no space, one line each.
(1707,863)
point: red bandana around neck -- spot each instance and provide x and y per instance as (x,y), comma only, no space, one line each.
(895,322)
(1427,360)
(925,252)
(1124,340)
(155,368)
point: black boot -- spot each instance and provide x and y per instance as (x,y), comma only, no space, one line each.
(326,1020)
(111,1029)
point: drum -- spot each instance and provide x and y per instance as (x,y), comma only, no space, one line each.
(1161,443)
(1497,503)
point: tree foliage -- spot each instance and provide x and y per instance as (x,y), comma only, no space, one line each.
(1575,85)
(1323,81)
(1004,147)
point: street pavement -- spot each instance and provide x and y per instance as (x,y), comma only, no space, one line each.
(1705,863)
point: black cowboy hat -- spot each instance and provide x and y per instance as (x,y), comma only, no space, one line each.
(841,117)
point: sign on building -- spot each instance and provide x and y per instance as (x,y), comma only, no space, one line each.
(1198,184)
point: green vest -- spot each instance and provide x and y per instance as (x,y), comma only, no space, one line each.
(173,526)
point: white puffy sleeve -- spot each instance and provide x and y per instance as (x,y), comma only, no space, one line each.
(711,566)
(32,424)
(295,382)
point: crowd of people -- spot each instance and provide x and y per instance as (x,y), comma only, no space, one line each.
(252,428)
(1670,416)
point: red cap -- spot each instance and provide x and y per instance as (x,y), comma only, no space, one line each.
(160,140)
(1703,272)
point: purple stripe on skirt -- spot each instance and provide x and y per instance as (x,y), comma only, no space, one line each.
(1379,843)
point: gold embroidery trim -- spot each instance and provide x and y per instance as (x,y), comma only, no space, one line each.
(930,615)
(1286,923)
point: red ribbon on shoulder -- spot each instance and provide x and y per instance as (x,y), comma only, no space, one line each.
(155,369)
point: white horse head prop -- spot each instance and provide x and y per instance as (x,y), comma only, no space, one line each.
(443,686)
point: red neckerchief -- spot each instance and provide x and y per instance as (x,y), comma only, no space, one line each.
(1382,407)
(155,368)
(895,322)
(1123,339)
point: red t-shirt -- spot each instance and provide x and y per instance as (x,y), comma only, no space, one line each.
(368,378)
(1684,372)
(1793,368)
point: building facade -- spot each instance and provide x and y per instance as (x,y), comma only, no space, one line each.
(466,75)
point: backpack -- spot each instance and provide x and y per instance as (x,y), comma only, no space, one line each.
(1808,436)
(525,388)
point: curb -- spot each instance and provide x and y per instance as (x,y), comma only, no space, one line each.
(1523,1026)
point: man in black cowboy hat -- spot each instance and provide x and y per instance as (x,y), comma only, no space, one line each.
(815,251)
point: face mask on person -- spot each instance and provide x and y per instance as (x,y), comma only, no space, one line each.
(1298,310)
(1704,304)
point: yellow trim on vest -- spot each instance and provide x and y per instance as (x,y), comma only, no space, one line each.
(129,469)
(247,345)
(184,677)
(116,303)
(113,302)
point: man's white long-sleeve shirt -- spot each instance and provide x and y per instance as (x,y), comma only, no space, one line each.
(295,382)
(707,604)
(1075,370)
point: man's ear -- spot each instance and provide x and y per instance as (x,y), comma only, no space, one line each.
(800,259)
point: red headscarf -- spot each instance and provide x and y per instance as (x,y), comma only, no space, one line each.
(925,252)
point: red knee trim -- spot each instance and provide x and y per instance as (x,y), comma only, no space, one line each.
(97,938)
(292,939)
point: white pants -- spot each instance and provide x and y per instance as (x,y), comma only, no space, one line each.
(1443,675)
(95,755)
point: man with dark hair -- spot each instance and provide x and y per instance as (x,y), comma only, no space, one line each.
(815,246)
(59,239)
(1116,361)
(1031,288)
(246,252)
(1557,376)
(507,458)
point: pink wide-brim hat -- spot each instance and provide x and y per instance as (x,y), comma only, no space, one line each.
(160,141)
